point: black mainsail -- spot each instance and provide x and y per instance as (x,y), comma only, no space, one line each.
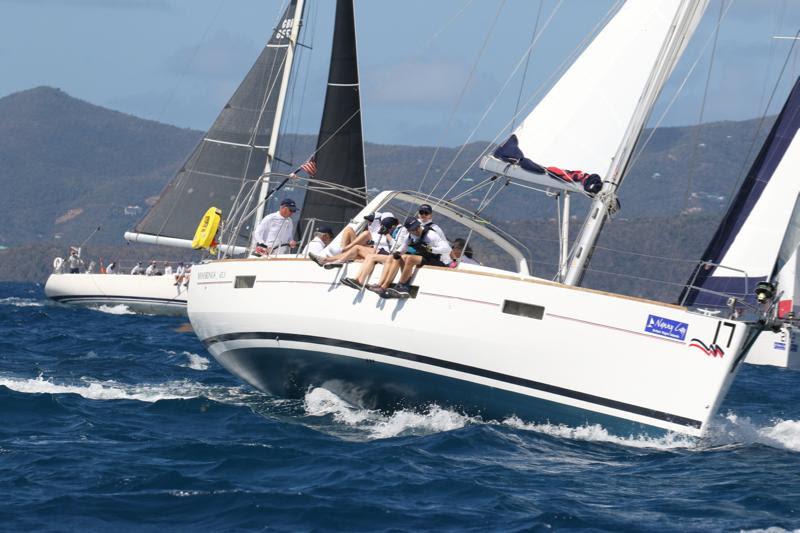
(226,164)
(339,155)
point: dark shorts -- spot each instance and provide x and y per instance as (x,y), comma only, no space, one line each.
(381,251)
(432,262)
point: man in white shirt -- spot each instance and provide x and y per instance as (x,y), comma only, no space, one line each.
(167,269)
(322,238)
(425,217)
(137,269)
(111,268)
(180,272)
(274,234)
(151,269)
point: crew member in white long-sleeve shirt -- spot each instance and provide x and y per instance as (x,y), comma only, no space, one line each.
(151,269)
(425,217)
(137,269)
(322,238)
(274,234)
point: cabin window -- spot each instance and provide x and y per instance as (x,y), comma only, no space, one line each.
(522,309)
(244,282)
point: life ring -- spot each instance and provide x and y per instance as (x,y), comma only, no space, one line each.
(207,229)
(57,262)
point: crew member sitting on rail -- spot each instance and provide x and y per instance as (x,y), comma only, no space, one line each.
(273,235)
(137,269)
(382,242)
(322,238)
(151,269)
(180,272)
(460,255)
(425,217)
(349,239)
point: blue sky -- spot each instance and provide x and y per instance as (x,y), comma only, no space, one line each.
(177,61)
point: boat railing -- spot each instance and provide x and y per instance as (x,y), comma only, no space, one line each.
(731,298)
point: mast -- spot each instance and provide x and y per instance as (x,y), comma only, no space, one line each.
(605,202)
(276,124)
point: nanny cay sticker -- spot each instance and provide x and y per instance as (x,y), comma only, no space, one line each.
(666,328)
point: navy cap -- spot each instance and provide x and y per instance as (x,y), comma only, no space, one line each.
(411,223)
(425,208)
(325,229)
(288,202)
(389,222)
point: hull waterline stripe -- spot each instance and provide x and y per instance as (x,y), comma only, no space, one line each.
(506,378)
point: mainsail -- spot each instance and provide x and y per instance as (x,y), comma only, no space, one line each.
(759,233)
(228,161)
(339,155)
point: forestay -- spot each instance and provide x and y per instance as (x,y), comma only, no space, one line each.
(230,158)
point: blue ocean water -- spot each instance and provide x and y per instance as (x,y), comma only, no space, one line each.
(113,420)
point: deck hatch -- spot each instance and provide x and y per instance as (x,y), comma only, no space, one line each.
(511,307)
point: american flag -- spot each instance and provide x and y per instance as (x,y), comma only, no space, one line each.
(310,167)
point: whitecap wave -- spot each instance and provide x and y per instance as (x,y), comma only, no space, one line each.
(195,362)
(597,433)
(21,302)
(119,309)
(735,429)
(320,402)
(92,389)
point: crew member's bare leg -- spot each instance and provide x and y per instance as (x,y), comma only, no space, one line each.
(408,268)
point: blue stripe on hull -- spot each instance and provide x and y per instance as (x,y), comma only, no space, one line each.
(372,384)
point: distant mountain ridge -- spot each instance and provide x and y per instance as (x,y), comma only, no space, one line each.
(58,153)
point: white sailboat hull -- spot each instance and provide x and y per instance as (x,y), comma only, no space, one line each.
(157,295)
(776,349)
(581,356)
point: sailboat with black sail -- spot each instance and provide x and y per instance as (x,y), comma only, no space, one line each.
(499,342)
(232,161)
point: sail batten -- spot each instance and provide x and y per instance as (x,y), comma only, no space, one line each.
(229,160)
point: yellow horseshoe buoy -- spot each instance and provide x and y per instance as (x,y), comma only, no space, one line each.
(207,229)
